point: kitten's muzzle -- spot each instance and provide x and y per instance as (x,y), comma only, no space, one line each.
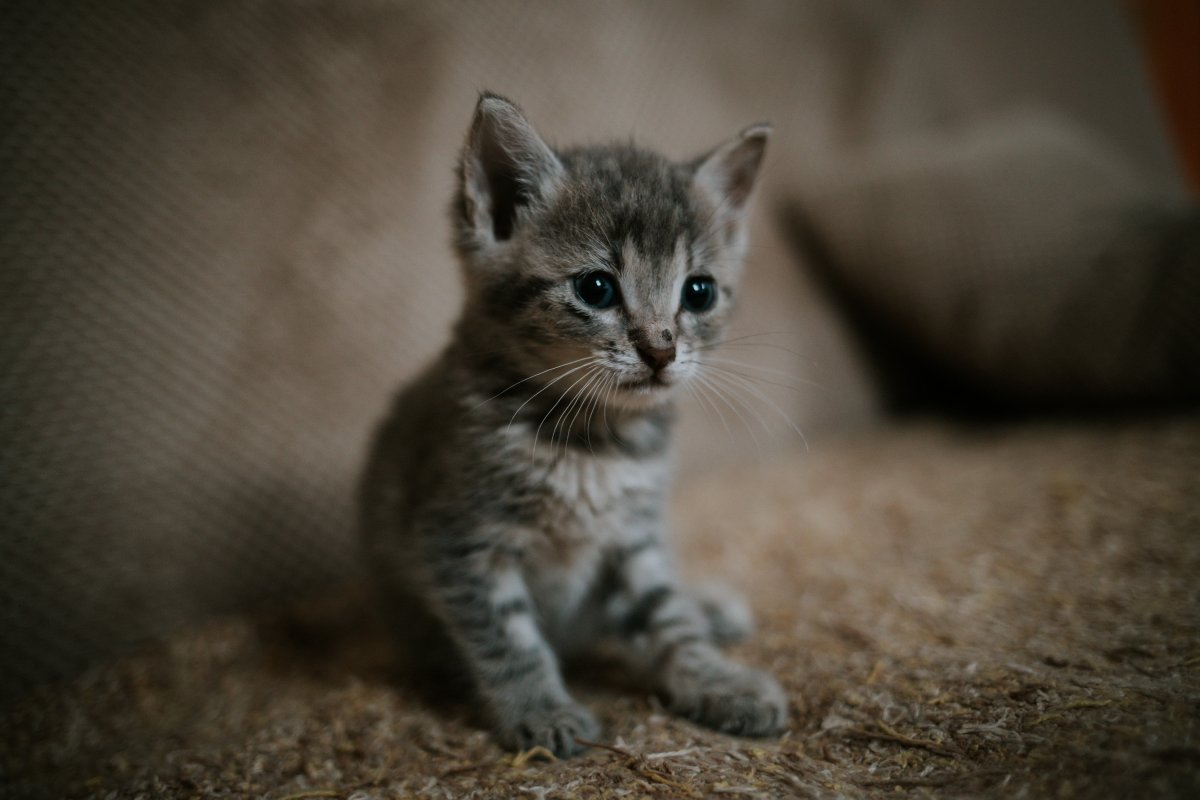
(657,358)
(655,381)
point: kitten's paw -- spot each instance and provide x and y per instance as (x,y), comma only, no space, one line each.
(553,728)
(728,697)
(729,618)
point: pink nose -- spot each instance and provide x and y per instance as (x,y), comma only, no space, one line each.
(657,357)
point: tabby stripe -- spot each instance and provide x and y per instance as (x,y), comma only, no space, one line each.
(626,554)
(577,313)
(515,294)
(462,590)
(638,618)
(669,651)
(513,607)
(493,644)
(458,549)
(665,624)
(515,669)
(478,619)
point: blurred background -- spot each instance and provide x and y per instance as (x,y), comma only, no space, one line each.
(224,244)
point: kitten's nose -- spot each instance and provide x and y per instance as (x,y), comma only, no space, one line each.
(656,357)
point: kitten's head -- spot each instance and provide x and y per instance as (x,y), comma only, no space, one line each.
(609,267)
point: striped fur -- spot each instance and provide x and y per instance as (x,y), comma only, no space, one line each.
(515,495)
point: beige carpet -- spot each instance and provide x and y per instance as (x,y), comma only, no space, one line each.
(954,612)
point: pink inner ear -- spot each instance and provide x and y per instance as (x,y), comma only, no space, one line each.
(731,170)
(741,166)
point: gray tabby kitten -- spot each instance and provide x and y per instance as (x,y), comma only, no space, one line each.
(514,501)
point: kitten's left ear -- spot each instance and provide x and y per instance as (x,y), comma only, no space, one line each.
(727,174)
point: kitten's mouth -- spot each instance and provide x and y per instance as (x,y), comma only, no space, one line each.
(653,383)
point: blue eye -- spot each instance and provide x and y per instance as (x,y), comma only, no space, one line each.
(597,289)
(699,294)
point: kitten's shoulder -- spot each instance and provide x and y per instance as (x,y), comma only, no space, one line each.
(417,414)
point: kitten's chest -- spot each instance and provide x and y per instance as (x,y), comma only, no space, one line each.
(588,500)
(592,505)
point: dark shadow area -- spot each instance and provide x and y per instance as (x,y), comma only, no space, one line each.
(910,380)
(348,634)
(915,380)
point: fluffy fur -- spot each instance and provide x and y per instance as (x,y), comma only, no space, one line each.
(514,502)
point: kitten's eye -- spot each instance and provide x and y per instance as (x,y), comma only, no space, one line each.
(699,294)
(597,289)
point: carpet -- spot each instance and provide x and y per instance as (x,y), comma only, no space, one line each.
(954,611)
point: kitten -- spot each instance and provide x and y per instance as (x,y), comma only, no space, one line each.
(514,501)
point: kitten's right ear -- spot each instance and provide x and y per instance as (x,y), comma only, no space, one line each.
(727,175)
(506,166)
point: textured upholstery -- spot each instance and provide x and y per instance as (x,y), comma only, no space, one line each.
(1025,263)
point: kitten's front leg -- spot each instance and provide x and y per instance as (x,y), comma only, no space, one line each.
(671,639)
(490,617)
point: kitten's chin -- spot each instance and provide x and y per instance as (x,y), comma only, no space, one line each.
(645,393)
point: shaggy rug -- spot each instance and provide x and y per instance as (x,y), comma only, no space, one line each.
(984,612)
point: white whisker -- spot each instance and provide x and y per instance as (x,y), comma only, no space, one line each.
(587,423)
(711,384)
(703,399)
(757,378)
(781,372)
(701,396)
(756,392)
(769,345)
(735,392)
(613,389)
(578,402)
(533,451)
(531,377)
(547,386)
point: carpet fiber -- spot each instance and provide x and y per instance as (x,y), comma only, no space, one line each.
(953,611)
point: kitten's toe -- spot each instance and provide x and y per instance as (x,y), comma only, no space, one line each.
(729,698)
(554,728)
(729,618)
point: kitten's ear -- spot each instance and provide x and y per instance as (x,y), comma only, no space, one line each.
(727,175)
(505,167)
